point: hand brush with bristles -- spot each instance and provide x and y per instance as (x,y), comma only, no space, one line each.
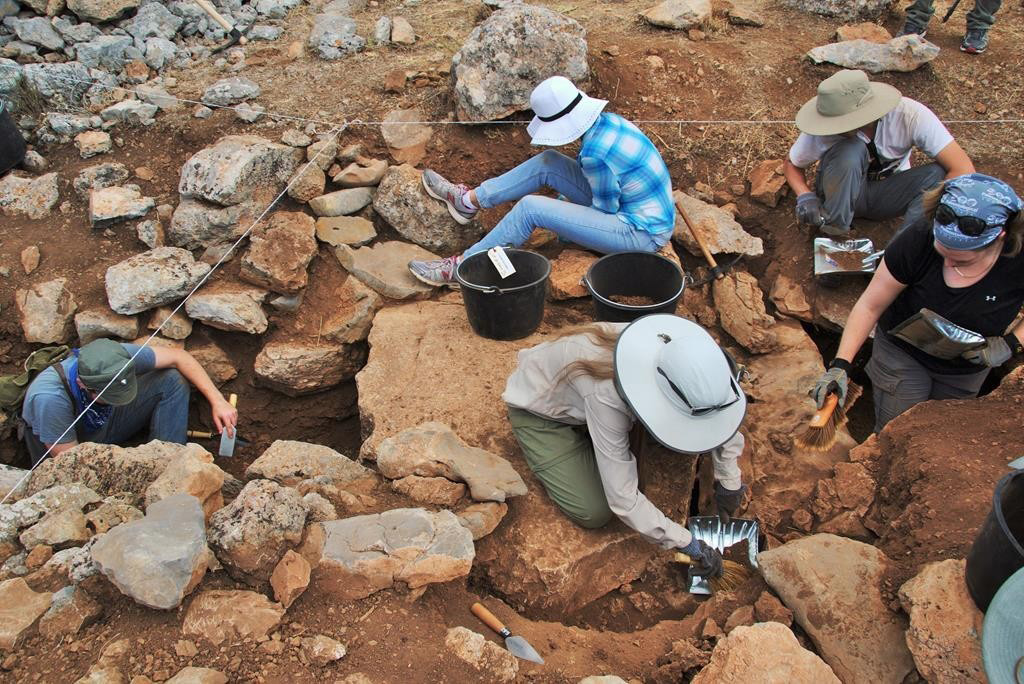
(823,429)
(733,574)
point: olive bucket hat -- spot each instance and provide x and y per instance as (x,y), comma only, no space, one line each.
(102,361)
(846,101)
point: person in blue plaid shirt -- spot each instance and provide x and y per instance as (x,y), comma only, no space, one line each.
(615,196)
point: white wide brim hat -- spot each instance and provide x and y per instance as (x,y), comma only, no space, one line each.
(636,359)
(566,123)
(1002,636)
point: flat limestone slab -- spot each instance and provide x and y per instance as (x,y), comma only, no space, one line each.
(385,268)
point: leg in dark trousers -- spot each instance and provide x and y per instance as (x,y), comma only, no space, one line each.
(842,175)
(161,405)
(899,195)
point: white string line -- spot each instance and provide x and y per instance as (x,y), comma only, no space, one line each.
(359,122)
(334,133)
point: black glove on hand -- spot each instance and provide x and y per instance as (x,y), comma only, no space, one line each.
(834,381)
(808,210)
(728,501)
(996,352)
(704,560)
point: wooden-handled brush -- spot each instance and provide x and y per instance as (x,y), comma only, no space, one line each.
(823,429)
(733,574)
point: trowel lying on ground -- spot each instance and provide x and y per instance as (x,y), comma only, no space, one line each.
(516,645)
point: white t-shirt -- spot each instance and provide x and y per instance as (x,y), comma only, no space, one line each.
(910,124)
(538,386)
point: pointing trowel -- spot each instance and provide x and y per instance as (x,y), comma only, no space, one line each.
(516,645)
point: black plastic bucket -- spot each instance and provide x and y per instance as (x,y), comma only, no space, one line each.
(633,274)
(504,308)
(998,550)
(12,144)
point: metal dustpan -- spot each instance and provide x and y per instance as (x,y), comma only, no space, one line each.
(844,257)
(709,529)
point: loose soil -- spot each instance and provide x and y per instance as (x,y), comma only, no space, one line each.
(942,462)
(633,300)
(846,261)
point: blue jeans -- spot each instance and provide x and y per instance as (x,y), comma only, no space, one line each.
(161,404)
(574,220)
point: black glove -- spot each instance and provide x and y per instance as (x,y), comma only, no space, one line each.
(728,501)
(996,352)
(808,210)
(834,381)
(704,560)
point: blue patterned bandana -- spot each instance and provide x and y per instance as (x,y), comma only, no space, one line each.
(981,196)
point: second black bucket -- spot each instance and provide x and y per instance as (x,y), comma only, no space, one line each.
(12,144)
(504,308)
(998,550)
(633,274)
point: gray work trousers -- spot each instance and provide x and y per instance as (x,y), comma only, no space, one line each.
(898,381)
(981,17)
(845,191)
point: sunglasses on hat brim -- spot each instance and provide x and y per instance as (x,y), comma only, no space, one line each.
(736,375)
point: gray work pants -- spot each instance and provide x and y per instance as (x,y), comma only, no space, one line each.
(845,190)
(981,17)
(898,381)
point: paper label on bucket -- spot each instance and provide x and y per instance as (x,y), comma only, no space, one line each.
(501,261)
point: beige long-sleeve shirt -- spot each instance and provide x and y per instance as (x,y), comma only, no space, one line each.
(538,386)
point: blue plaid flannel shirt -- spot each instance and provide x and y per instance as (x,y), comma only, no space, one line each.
(627,175)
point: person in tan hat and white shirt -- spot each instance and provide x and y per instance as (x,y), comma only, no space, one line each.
(862,134)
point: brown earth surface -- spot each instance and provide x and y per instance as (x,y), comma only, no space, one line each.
(937,465)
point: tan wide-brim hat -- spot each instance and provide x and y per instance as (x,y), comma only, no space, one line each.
(846,101)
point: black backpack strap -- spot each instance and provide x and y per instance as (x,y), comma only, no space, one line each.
(59,367)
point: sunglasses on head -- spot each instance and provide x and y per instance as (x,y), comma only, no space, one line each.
(702,410)
(972,226)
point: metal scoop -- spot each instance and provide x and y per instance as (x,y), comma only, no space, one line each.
(516,645)
(227,442)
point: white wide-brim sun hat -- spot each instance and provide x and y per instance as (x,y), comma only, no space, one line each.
(679,383)
(563,112)
(1002,635)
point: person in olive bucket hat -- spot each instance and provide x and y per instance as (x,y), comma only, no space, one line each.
(150,391)
(861,134)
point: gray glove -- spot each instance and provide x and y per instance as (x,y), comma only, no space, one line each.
(808,210)
(728,501)
(704,560)
(996,352)
(834,381)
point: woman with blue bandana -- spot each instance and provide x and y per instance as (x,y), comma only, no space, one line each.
(962,261)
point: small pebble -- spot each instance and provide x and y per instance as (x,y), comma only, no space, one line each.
(202,112)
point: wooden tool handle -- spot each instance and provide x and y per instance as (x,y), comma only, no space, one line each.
(822,415)
(487,617)
(212,11)
(681,557)
(199,434)
(697,237)
(233,399)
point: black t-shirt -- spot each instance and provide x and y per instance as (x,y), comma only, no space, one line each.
(987,307)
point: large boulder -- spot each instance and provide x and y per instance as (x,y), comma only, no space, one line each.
(359,556)
(37,31)
(945,625)
(46,311)
(104,52)
(679,14)
(238,167)
(154,278)
(192,472)
(219,615)
(60,86)
(741,309)
(833,585)
(101,10)
(115,204)
(297,367)
(20,610)
(341,202)
(507,55)
(764,653)
(280,251)
(96,323)
(229,307)
(288,462)
(406,138)
(333,36)
(904,53)
(719,230)
(154,20)
(100,176)
(846,10)
(433,450)
(384,267)
(33,198)
(160,559)
(401,201)
(250,534)
(196,224)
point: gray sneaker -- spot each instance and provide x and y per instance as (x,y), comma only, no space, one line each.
(975,41)
(451,194)
(911,27)
(436,272)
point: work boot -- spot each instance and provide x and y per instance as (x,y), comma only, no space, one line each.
(436,272)
(975,41)
(910,27)
(451,194)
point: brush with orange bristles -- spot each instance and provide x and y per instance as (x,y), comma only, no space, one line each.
(823,430)
(733,576)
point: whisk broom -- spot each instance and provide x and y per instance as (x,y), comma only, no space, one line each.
(733,574)
(823,429)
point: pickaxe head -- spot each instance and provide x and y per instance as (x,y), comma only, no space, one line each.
(717,272)
(234,37)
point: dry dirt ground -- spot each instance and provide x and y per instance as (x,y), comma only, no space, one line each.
(736,73)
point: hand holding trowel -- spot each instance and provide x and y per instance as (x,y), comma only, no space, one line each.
(516,645)
(717,270)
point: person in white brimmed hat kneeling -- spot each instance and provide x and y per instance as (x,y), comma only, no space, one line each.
(572,403)
(617,192)
(861,134)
